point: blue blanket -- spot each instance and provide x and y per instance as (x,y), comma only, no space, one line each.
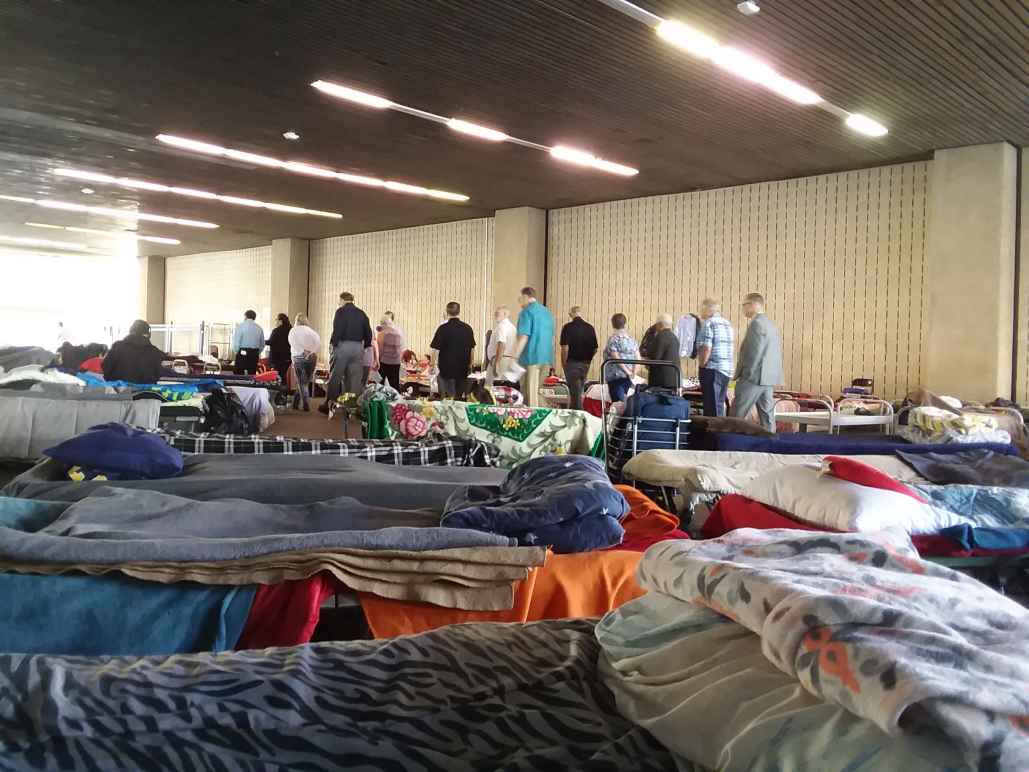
(566,502)
(94,615)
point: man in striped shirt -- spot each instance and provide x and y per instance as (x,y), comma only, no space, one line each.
(715,347)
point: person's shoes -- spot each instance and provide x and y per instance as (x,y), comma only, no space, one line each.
(307,408)
(324,408)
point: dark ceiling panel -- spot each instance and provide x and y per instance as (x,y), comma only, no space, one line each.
(90,84)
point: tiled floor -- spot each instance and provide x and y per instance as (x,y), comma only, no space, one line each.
(313,425)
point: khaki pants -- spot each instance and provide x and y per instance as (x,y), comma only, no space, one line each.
(531,384)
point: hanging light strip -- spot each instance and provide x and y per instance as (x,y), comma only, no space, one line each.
(106,211)
(126,182)
(23,241)
(560,152)
(743,65)
(301,168)
(96,231)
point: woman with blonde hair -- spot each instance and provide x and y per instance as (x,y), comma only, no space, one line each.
(304,344)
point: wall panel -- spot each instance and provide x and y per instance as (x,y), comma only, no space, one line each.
(1021,390)
(413,272)
(840,258)
(219,287)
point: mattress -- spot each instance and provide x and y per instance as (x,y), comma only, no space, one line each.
(467,697)
(276,479)
(31,422)
(843,444)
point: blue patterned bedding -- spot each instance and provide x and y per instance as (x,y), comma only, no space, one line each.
(567,502)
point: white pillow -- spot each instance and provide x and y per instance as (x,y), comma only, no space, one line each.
(829,502)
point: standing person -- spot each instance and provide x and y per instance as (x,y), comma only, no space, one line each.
(369,361)
(351,335)
(535,346)
(664,348)
(578,347)
(759,369)
(278,347)
(452,347)
(304,344)
(391,350)
(247,342)
(134,358)
(715,344)
(620,345)
(501,341)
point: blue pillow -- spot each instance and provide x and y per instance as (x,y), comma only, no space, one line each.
(120,449)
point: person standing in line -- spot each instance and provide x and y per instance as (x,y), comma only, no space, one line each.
(759,369)
(351,335)
(391,350)
(452,348)
(664,348)
(501,341)
(279,348)
(369,362)
(715,344)
(535,346)
(247,343)
(578,347)
(304,344)
(620,345)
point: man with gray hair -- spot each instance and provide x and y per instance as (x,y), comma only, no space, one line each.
(578,347)
(760,367)
(665,348)
(499,340)
(715,342)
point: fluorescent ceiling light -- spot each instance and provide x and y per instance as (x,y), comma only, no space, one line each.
(291,135)
(76,229)
(743,65)
(352,95)
(865,125)
(126,182)
(302,168)
(469,128)
(476,131)
(583,158)
(795,92)
(45,243)
(105,211)
(685,37)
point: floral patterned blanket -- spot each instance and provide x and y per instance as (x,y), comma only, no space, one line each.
(521,433)
(862,622)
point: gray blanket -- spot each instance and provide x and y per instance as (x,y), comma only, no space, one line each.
(278,479)
(970,467)
(118,526)
(463,698)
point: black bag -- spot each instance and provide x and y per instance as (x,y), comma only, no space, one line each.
(224,414)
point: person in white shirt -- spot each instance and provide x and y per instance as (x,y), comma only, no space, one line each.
(501,341)
(304,344)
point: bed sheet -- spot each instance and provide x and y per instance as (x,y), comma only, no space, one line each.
(844,444)
(468,697)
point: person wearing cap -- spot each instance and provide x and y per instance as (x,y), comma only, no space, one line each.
(134,358)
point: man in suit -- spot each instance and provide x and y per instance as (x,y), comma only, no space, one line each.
(759,369)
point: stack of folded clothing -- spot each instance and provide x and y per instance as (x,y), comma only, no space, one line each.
(934,425)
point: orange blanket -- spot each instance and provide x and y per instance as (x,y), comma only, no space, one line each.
(587,584)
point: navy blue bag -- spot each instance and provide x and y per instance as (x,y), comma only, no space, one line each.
(654,402)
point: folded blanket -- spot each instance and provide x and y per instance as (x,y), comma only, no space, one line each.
(564,501)
(970,467)
(860,621)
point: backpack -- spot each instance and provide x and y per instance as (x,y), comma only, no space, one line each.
(224,414)
(688,333)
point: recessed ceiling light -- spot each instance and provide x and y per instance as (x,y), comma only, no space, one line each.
(88,191)
(76,229)
(462,126)
(106,211)
(301,168)
(291,135)
(126,182)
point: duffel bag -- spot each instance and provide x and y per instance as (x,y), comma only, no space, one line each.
(655,402)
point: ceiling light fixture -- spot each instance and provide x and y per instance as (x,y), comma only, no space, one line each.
(301,168)
(291,135)
(88,191)
(740,63)
(106,211)
(126,182)
(76,229)
(467,127)
(44,243)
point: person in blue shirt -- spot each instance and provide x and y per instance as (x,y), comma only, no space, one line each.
(535,346)
(715,351)
(247,342)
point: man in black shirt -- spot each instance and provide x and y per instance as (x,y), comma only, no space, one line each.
(578,347)
(351,335)
(134,358)
(665,349)
(452,347)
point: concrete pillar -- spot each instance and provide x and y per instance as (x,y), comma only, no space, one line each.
(971,271)
(290,269)
(519,255)
(151,289)
(1022,341)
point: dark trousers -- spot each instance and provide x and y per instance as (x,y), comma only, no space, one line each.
(714,385)
(246,361)
(618,388)
(575,377)
(390,373)
(304,368)
(453,388)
